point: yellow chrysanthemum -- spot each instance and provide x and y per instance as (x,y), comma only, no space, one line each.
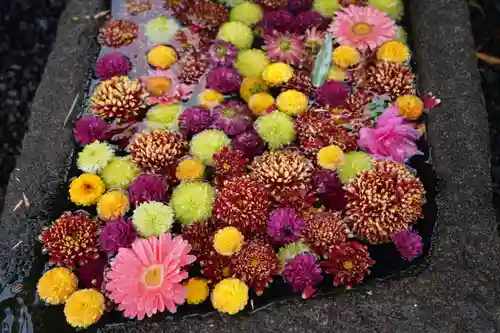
(393,51)
(230,296)
(162,57)
(252,85)
(190,168)
(228,241)
(411,107)
(335,73)
(157,85)
(197,290)
(260,102)
(57,285)
(277,73)
(112,205)
(330,157)
(84,308)
(292,102)
(345,56)
(210,98)
(86,189)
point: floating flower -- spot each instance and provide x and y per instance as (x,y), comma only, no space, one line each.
(192,67)
(362,27)
(290,251)
(323,230)
(329,190)
(162,57)
(135,7)
(345,56)
(161,30)
(164,117)
(393,51)
(91,275)
(284,47)
(195,119)
(222,53)
(112,64)
(298,6)
(192,40)
(260,103)
(410,106)
(232,117)
(301,81)
(230,296)
(354,163)
(279,20)
(255,265)
(84,308)
(349,262)
(190,169)
(251,63)
(57,285)
(330,157)
(326,8)
(117,234)
(314,40)
(86,189)
(277,73)
(192,202)
(336,74)
(292,102)
(71,240)
(395,8)
(150,274)
(303,273)
(89,129)
(308,20)
(215,267)
(224,80)
(199,236)
(228,241)
(252,85)
(248,13)
(249,143)
(206,15)
(112,205)
(117,33)
(332,94)
(284,226)
(120,172)
(276,129)
(205,144)
(197,290)
(391,137)
(153,218)
(395,206)
(230,163)
(391,78)
(210,98)
(94,157)
(408,243)
(237,33)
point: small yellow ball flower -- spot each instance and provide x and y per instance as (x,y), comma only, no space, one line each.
(292,102)
(337,74)
(84,308)
(162,57)
(57,285)
(411,107)
(210,98)
(197,290)
(330,157)
(277,73)
(189,169)
(112,205)
(252,85)
(158,86)
(230,296)
(228,241)
(393,51)
(86,189)
(345,56)
(260,102)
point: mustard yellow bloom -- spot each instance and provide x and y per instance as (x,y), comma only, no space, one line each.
(162,57)
(252,85)
(292,102)
(228,241)
(277,73)
(84,308)
(57,285)
(190,168)
(345,56)
(86,189)
(112,205)
(260,102)
(330,157)
(393,51)
(210,98)
(197,290)
(337,74)
(230,296)
(411,107)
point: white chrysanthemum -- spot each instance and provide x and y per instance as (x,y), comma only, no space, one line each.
(94,157)
(153,218)
(161,30)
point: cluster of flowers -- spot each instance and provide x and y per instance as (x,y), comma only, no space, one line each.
(291,161)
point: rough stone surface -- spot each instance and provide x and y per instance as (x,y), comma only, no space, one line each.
(457,293)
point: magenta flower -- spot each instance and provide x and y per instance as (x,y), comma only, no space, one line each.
(332,93)
(117,234)
(308,20)
(194,120)
(279,20)
(91,275)
(222,53)
(224,79)
(284,226)
(89,129)
(329,190)
(112,64)
(304,273)
(298,6)
(249,143)
(233,117)
(285,47)
(392,137)
(408,243)
(148,187)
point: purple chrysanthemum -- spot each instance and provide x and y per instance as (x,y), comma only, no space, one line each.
(222,53)
(329,189)
(89,129)
(408,243)
(304,273)
(91,275)
(279,20)
(194,120)
(284,226)
(233,117)
(298,6)
(224,79)
(112,64)
(308,20)
(332,93)
(249,143)
(148,187)
(117,234)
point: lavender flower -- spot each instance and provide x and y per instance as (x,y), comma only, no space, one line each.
(112,64)
(224,79)
(408,243)
(329,189)
(194,120)
(89,129)
(148,187)
(249,143)
(222,53)
(284,226)
(233,117)
(304,273)
(117,234)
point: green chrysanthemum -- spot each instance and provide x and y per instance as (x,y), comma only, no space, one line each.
(248,13)
(94,157)
(289,251)
(164,117)
(153,218)
(120,172)
(205,144)
(251,62)
(354,162)
(161,30)
(237,33)
(394,8)
(192,202)
(326,7)
(276,129)
(401,35)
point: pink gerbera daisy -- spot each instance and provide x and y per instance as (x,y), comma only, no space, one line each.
(285,47)
(362,27)
(146,279)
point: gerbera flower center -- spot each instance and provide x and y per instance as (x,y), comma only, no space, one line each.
(348,265)
(362,29)
(220,51)
(229,113)
(285,44)
(153,277)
